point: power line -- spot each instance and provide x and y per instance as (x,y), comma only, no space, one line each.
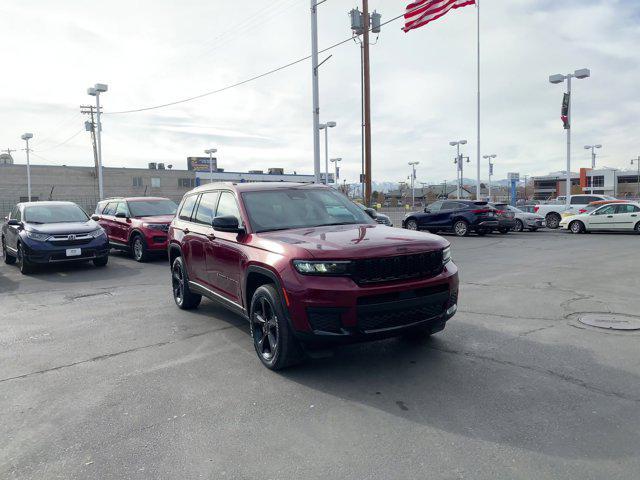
(63,142)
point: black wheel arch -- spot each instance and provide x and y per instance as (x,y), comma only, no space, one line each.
(133,233)
(174,251)
(256,276)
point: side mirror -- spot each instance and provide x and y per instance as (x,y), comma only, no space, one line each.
(227,223)
(95,217)
(14,223)
(121,215)
(371,212)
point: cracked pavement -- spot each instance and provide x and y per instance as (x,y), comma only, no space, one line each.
(102,377)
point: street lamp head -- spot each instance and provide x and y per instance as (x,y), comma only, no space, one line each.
(582,73)
(26,136)
(453,144)
(463,142)
(331,124)
(211,150)
(322,126)
(557,78)
(587,147)
(339,159)
(92,91)
(101,87)
(598,146)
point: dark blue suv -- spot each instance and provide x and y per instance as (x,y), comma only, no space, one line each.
(459,216)
(52,232)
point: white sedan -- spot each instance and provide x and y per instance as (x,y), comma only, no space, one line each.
(616,217)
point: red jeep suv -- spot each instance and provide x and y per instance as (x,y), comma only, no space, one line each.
(138,224)
(307,267)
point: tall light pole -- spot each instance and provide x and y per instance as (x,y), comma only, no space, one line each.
(593,160)
(315,88)
(335,163)
(560,78)
(413,181)
(26,137)
(326,127)
(637,162)
(458,162)
(489,157)
(95,91)
(210,152)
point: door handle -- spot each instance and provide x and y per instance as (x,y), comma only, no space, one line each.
(609,216)
(634,215)
(186,230)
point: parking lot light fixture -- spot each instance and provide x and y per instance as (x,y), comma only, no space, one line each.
(26,137)
(560,78)
(413,180)
(593,160)
(335,163)
(490,157)
(458,162)
(210,152)
(326,127)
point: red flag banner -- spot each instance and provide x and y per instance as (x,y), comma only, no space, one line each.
(421,12)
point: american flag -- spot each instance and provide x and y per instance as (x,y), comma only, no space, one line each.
(421,12)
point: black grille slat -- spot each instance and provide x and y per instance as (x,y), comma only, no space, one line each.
(401,267)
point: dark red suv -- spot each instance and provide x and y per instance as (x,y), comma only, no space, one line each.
(138,224)
(307,267)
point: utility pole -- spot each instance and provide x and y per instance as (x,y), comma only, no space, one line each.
(90,126)
(8,150)
(316,88)
(367,102)
(26,137)
(413,180)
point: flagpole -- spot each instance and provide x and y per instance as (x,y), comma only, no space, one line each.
(478,143)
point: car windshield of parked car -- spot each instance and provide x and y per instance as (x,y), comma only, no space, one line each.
(150,208)
(54,214)
(297,208)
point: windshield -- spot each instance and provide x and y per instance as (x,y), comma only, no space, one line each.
(294,208)
(60,213)
(150,208)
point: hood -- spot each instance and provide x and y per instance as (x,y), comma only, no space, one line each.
(157,219)
(66,227)
(354,241)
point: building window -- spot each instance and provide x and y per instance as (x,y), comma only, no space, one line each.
(155,182)
(186,182)
(596,180)
(137,181)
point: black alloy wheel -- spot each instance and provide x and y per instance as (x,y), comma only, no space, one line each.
(411,224)
(461,228)
(23,264)
(553,220)
(519,226)
(265,329)
(183,296)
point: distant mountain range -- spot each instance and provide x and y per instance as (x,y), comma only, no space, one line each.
(387,186)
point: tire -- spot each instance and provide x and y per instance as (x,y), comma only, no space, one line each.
(273,340)
(552,220)
(461,228)
(25,266)
(503,230)
(183,296)
(139,248)
(519,227)
(101,261)
(576,226)
(8,258)
(636,228)
(411,224)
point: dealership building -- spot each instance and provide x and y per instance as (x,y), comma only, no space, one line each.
(603,181)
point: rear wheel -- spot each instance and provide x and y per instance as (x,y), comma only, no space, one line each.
(273,339)
(8,258)
(411,224)
(24,264)
(519,226)
(576,227)
(461,228)
(637,228)
(183,296)
(139,249)
(552,220)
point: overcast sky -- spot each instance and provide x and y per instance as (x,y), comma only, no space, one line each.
(423,83)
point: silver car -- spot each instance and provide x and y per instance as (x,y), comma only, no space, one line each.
(524,220)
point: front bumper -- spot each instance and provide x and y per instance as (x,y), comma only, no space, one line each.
(336,309)
(46,252)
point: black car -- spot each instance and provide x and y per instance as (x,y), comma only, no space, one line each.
(506,218)
(52,232)
(460,216)
(380,218)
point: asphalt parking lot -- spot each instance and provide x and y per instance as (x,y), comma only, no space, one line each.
(102,377)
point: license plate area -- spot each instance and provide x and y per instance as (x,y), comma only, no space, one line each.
(73,252)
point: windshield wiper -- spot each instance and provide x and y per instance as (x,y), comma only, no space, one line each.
(337,223)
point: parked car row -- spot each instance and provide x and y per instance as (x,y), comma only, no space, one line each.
(613,216)
(463,217)
(305,266)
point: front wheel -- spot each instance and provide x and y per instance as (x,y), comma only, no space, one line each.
(637,227)
(519,226)
(139,249)
(25,266)
(576,227)
(273,339)
(552,220)
(8,258)
(411,224)
(183,296)
(461,228)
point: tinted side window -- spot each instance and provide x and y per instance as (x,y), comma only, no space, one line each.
(206,207)
(110,209)
(228,206)
(435,207)
(608,210)
(451,206)
(580,200)
(187,207)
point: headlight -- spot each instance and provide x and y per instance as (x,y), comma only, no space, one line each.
(40,237)
(446,255)
(97,233)
(321,268)
(157,226)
